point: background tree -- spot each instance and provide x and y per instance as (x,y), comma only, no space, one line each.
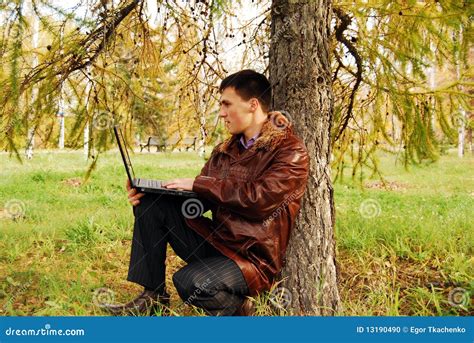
(380,53)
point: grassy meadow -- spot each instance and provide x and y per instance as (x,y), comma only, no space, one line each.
(403,249)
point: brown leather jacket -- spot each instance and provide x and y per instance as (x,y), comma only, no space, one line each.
(254,196)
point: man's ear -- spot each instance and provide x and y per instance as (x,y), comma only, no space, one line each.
(253,104)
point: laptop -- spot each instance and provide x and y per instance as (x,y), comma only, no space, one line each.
(144,185)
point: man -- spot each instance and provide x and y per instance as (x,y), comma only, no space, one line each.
(252,183)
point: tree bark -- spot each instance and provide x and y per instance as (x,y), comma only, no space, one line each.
(299,69)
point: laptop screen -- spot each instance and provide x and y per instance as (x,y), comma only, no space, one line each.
(124,152)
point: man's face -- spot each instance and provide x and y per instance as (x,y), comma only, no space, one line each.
(237,113)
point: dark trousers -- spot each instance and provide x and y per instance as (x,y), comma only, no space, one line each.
(210,280)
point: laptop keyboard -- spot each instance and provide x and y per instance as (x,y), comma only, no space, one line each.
(149,183)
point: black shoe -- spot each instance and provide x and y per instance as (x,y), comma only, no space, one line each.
(148,302)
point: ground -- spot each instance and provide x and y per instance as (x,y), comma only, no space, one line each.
(404,247)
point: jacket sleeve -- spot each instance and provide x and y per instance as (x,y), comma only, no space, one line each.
(256,200)
(204,171)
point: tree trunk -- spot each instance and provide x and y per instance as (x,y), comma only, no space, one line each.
(61,97)
(30,139)
(301,78)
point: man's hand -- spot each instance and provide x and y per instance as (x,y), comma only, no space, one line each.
(133,196)
(185,184)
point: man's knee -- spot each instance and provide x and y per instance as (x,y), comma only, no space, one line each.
(192,285)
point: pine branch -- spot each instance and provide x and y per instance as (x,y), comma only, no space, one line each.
(101,34)
(339,33)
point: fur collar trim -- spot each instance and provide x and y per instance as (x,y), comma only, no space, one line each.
(275,129)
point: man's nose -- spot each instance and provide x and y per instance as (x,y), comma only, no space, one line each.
(222,113)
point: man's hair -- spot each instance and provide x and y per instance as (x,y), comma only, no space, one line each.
(249,84)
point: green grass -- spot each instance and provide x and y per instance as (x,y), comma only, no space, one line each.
(413,244)
(399,251)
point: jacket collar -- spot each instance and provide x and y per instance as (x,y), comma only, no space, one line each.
(274,130)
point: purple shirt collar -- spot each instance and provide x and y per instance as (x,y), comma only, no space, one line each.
(250,142)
